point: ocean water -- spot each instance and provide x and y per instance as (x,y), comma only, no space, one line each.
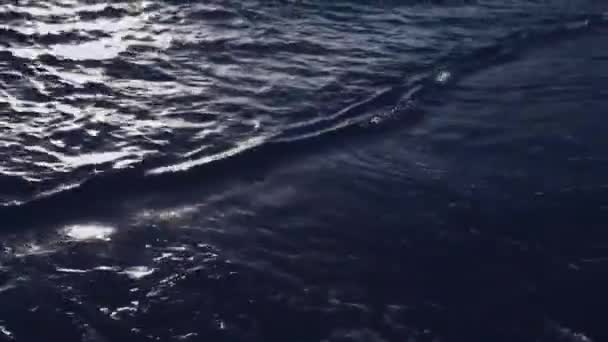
(298,171)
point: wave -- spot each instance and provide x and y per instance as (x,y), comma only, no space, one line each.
(391,108)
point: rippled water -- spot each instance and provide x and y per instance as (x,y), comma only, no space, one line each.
(176,170)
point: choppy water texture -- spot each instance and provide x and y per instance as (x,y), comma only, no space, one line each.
(176,170)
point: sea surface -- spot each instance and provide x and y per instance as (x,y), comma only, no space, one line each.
(304,171)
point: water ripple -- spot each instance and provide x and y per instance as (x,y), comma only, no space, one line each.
(87,87)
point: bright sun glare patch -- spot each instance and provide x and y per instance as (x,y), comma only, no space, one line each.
(86,232)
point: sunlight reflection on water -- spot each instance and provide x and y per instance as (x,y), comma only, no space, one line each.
(89,232)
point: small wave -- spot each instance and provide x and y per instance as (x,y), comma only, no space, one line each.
(187,165)
(212,13)
(107,12)
(122,69)
(12,36)
(389,107)
(14,15)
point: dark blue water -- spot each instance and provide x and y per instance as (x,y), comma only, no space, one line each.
(369,171)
